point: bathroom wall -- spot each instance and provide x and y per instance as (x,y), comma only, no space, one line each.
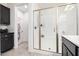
(25,26)
(78,18)
(12,17)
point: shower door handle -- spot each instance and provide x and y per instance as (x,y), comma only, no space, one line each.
(35,27)
(41,25)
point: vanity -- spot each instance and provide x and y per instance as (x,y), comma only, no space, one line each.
(6,37)
(7,40)
(70,45)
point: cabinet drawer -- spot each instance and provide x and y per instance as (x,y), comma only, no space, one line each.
(69,54)
(64,50)
(70,46)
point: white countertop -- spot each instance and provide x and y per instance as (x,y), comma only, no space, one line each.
(73,38)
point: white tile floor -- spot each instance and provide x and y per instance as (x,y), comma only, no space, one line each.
(23,51)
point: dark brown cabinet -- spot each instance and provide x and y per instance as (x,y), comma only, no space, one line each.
(64,50)
(68,53)
(69,48)
(4,15)
(7,41)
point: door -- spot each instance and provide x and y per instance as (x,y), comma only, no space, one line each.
(36,30)
(66,22)
(48,29)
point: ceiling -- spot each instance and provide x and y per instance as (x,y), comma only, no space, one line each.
(23,7)
(45,5)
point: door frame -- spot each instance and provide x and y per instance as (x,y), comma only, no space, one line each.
(57,42)
(40,32)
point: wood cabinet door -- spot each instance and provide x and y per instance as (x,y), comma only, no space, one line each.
(5,15)
(64,50)
(69,54)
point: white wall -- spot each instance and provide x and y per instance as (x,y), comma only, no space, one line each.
(25,27)
(15,30)
(78,18)
(12,18)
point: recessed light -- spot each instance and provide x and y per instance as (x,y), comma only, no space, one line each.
(69,7)
(25,6)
